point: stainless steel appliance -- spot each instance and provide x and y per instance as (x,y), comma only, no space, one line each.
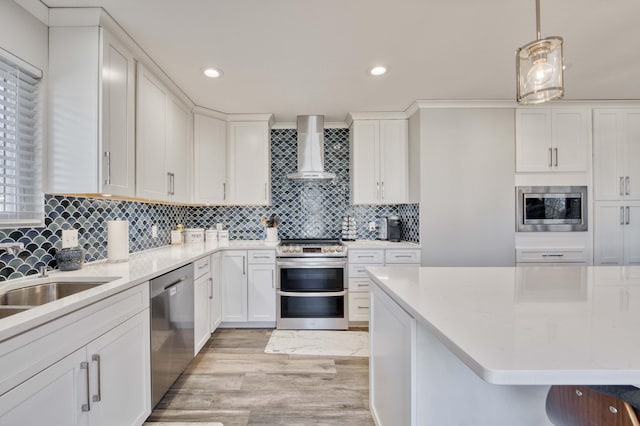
(311,285)
(393,226)
(311,149)
(551,208)
(382,227)
(172,332)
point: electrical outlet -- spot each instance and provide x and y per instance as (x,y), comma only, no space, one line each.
(69,238)
(372,226)
(154,231)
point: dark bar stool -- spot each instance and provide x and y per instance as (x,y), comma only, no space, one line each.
(593,405)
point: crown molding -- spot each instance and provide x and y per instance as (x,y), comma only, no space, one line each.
(251,117)
(382,115)
(210,113)
(36,8)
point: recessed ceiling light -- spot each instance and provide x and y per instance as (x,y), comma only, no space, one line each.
(212,72)
(378,70)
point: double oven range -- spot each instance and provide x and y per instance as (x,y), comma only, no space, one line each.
(311,285)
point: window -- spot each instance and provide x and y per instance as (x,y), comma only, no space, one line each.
(21,198)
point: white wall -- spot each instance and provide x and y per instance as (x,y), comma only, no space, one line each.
(23,35)
(467,196)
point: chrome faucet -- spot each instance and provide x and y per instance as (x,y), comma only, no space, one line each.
(12,248)
(43,271)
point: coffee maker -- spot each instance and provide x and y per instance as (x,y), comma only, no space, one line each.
(382,227)
(393,228)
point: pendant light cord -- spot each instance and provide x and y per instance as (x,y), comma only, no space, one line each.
(538,20)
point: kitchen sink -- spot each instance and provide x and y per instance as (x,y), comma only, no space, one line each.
(40,294)
(6,311)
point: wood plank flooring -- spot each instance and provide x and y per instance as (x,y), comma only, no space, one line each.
(234,382)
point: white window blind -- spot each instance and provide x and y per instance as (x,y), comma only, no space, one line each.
(21,198)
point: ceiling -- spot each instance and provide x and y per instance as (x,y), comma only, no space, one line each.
(291,57)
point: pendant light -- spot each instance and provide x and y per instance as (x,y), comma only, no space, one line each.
(539,70)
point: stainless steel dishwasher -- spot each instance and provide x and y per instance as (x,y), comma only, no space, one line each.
(172,339)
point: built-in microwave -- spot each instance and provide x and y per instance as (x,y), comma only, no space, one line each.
(551,208)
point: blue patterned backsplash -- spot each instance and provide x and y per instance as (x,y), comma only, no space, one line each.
(304,210)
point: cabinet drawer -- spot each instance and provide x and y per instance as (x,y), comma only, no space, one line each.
(402,256)
(262,256)
(359,284)
(366,256)
(359,306)
(201,267)
(551,255)
(358,270)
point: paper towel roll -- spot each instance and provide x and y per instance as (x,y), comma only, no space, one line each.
(118,240)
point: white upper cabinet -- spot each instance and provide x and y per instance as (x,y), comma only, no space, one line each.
(552,140)
(249,167)
(210,162)
(379,162)
(91,112)
(616,154)
(163,147)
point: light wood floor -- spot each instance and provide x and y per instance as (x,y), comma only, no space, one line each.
(234,382)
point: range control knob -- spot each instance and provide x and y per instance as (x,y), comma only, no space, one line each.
(298,249)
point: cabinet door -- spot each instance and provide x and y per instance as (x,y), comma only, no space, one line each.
(364,162)
(569,140)
(54,396)
(632,234)
(234,286)
(262,292)
(533,140)
(118,118)
(215,309)
(202,318)
(250,163)
(151,175)
(608,238)
(210,160)
(631,154)
(120,372)
(607,154)
(178,161)
(393,161)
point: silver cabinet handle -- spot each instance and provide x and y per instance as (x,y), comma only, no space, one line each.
(621,185)
(173,184)
(98,397)
(273,279)
(168,183)
(627,185)
(262,257)
(552,255)
(628,215)
(363,285)
(555,150)
(550,157)
(84,365)
(403,256)
(206,265)
(621,215)
(243,271)
(224,190)
(377,189)
(382,190)
(363,307)
(107,155)
(210,288)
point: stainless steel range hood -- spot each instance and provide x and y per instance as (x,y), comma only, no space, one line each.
(311,149)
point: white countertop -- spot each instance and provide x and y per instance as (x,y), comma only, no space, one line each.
(141,267)
(380,244)
(534,325)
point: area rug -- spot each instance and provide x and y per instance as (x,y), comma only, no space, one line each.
(319,342)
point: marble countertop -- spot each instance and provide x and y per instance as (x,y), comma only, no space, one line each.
(534,325)
(141,267)
(380,244)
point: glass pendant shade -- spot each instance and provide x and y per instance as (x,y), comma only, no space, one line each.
(539,71)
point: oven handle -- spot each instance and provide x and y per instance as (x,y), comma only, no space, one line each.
(311,264)
(321,294)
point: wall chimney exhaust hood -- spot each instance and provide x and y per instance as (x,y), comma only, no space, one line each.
(311,149)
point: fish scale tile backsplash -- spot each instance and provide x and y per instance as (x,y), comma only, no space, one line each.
(304,209)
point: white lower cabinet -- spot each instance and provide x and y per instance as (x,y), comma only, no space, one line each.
(248,286)
(617,233)
(215,298)
(234,286)
(107,382)
(359,306)
(202,302)
(262,292)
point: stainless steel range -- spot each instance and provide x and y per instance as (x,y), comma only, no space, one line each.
(311,283)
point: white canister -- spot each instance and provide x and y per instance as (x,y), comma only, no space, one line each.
(223,238)
(194,235)
(211,237)
(272,235)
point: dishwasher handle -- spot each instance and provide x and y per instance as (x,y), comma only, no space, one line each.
(175,283)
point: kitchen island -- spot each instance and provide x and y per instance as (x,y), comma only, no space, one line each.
(481,346)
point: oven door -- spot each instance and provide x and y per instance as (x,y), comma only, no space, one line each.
(312,294)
